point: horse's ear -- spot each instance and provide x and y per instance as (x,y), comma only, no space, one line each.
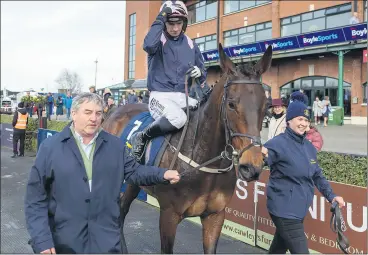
(265,62)
(227,66)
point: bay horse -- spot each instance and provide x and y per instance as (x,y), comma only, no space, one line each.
(231,119)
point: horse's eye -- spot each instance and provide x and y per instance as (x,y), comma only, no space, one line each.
(231,105)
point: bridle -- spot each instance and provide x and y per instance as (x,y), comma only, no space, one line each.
(232,155)
(229,134)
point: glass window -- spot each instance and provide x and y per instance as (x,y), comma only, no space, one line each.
(365,10)
(230,41)
(336,16)
(292,29)
(307,16)
(246,35)
(319,82)
(319,13)
(237,5)
(246,4)
(331,83)
(365,93)
(202,11)
(313,25)
(264,34)
(338,20)
(131,59)
(306,84)
(206,42)
(247,38)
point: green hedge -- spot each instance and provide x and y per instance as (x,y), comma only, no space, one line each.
(337,167)
(344,168)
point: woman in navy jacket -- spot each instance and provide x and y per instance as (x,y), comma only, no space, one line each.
(294,174)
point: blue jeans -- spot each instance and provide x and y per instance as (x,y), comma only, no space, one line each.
(68,113)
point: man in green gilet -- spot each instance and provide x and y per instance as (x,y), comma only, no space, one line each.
(72,198)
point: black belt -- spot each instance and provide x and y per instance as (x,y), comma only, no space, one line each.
(337,225)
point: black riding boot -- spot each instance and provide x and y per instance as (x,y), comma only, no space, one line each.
(158,128)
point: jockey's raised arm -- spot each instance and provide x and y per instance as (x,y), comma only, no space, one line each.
(152,41)
(171,54)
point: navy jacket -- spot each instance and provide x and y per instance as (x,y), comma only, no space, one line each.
(132,99)
(168,59)
(61,211)
(294,173)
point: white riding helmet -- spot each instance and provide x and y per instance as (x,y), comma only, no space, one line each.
(179,12)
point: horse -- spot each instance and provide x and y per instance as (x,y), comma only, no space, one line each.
(227,124)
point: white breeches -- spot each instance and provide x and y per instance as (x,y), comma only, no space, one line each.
(169,105)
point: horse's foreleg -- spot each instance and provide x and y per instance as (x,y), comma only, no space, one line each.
(169,221)
(126,200)
(212,225)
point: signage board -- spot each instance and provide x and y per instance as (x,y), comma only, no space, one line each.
(320,38)
(43,134)
(7,135)
(324,37)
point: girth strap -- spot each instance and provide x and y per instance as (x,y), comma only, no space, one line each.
(336,224)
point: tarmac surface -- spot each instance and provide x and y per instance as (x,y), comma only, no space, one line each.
(141,226)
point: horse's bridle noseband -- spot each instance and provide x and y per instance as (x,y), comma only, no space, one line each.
(255,140)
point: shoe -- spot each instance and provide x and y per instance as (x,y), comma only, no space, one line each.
(14,155)
(21,155)
(158,128)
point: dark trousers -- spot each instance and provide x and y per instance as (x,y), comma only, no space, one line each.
(21,136)
(289,236)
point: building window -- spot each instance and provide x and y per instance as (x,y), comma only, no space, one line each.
(319,86)
(336,16)
(365,93)
(131,61)
(250,34)
(365,11)
(202,11)
(206,42)
(237,5)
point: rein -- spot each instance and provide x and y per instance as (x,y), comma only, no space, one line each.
(337,225)
(234,154)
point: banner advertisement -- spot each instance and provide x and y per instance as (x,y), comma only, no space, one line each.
(321,239)
(7,135)
(43,134)
(324,37)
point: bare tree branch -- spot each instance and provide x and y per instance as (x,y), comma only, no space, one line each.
(70,81)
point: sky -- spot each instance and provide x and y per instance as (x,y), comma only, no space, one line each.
(41,38)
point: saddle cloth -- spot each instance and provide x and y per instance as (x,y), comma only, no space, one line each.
(137,124)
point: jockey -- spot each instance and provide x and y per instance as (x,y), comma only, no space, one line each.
(171,54)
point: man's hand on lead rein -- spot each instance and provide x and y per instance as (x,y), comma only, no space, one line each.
(172,176)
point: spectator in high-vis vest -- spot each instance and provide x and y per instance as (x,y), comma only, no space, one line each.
(20,121)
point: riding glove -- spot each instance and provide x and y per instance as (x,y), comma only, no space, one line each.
(164,13)
(196,72)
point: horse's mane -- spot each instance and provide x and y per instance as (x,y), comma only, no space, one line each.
(246,69)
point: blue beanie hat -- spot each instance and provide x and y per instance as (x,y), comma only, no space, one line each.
(296,109)
(298,96)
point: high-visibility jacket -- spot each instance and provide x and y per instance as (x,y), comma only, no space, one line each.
(22,121)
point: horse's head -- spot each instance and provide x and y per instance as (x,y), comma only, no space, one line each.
(243,109)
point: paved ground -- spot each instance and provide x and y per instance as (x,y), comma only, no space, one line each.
(344,139)
(141,227)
